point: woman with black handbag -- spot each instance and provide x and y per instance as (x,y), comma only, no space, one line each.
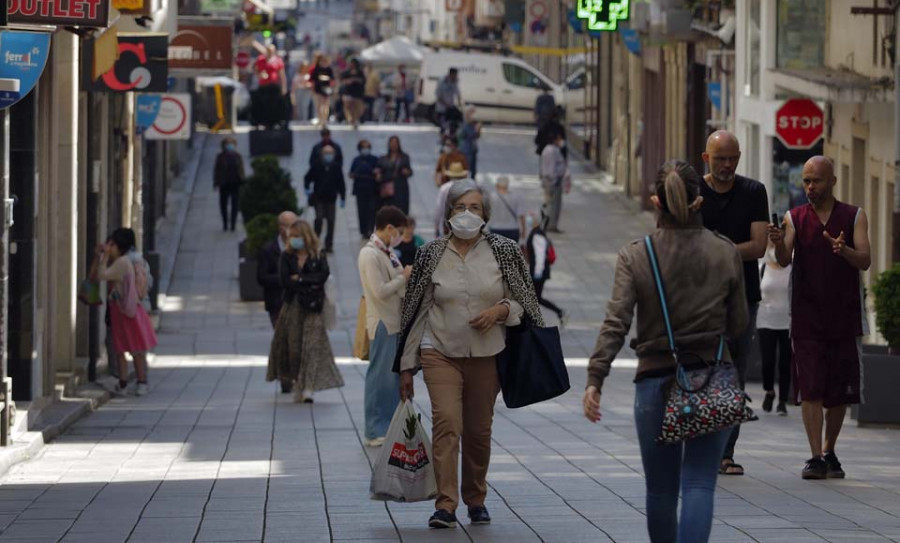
(470,272)
(301,352)
(687,285)
(393,173)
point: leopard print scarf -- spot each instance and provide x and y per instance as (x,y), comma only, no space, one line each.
(512,266)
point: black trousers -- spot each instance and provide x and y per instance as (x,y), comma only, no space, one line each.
(229,195)
(539,290)
(365,211)
(775,346)
(325,211)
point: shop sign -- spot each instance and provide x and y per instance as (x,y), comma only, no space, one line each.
(23,56)
(602,15)
(89,13)
(799,123)
(164,116)
(714,91)
(219,6)
(631,39)
(202,47)
(142,65)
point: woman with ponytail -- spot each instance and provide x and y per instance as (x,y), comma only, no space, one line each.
(703,281)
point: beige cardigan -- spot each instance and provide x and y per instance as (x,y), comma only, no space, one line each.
(383,287)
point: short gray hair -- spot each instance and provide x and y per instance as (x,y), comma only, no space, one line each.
(503,181)
(462,187)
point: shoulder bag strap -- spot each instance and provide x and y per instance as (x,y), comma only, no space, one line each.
(660,289)
(509,207)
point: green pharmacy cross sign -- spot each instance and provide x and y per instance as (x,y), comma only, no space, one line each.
(602,15)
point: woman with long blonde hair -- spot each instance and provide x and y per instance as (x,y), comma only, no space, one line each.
(300,352)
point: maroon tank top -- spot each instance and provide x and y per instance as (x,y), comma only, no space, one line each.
(826,302)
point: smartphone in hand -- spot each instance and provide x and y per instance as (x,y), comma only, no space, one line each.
(776,222)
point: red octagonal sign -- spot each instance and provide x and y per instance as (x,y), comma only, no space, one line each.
(799,123)
(242,59)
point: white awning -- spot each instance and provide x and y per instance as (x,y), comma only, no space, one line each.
(393,52)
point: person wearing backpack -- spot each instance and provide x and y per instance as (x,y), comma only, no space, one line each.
(132,331)
(541,255)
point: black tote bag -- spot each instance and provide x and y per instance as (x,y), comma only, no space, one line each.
(531,367)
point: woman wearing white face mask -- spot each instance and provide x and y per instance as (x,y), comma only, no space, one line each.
(465,289)
(384,283)
(300,350)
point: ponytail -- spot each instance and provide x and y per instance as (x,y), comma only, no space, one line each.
(677,187)
(676,197)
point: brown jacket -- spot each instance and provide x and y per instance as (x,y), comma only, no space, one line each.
(703,278)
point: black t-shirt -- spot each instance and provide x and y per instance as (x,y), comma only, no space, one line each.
(731,215)
(321,79)
(354,83)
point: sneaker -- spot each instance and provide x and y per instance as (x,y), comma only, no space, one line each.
(767,403)
(479,515)
(833,466)
(815,468)
(781,409)
(141,389)
(375,442)
(442,519)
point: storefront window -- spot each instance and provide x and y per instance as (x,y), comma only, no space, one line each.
(753,37)
(801,34)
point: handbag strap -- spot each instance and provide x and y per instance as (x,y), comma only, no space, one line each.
(661,291)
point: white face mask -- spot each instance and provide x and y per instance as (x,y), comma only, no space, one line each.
(466,225)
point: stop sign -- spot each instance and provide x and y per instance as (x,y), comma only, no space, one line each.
(242,59)
(799,123)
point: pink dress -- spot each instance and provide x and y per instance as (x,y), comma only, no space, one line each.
(132,331)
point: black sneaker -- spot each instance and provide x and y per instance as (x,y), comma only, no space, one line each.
(479,515)
(781,409)
(442,519)
(768,401)
(815,468)
(833,466)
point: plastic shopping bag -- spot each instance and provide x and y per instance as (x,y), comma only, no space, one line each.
(404,471)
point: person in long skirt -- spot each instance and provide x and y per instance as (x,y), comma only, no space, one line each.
(132,331)
(300,350)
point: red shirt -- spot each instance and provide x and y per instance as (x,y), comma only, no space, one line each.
(269,69)
(826,297)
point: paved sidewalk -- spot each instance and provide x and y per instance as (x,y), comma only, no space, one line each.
(215,453)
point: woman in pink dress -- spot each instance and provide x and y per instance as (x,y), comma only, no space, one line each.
(132,331)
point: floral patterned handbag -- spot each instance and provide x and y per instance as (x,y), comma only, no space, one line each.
(704,396)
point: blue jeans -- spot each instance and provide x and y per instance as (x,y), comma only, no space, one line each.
(691,466)
(382,385)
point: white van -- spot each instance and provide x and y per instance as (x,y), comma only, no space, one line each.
(503,89)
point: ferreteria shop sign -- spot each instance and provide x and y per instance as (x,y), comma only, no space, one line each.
(89,13)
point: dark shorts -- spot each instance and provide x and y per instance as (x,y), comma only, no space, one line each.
(826,371)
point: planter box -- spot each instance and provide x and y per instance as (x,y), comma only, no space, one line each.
(880,375)
(271,142)
(250,289)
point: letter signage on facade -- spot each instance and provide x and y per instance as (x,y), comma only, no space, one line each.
(90,13)
(202,47)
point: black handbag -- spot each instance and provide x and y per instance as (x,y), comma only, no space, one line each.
(704,396)
(531,367)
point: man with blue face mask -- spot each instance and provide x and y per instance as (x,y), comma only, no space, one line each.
(365,187)
(324,182)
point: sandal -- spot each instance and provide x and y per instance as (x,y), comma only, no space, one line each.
(728,467)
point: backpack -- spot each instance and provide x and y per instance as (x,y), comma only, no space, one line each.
(143,280)
(551,253)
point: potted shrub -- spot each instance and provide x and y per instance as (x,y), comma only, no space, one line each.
(267,191)
(881,365)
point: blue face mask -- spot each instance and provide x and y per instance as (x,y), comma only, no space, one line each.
(298,244)
(529,223)
(365,151)
(328,158)
(230,147)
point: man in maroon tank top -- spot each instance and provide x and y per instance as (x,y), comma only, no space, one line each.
(827,242)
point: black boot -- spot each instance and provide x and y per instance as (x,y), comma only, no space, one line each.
(286,386)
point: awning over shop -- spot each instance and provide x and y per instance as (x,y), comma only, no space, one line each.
(393,52)
(837,86)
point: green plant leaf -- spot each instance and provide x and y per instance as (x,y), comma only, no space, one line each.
(886,290)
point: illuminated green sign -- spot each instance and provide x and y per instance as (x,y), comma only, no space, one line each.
(602,15)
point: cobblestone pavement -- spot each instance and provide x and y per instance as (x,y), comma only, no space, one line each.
(214,453)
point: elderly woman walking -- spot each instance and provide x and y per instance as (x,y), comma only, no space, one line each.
(301,352)
(465,289)
(706,304)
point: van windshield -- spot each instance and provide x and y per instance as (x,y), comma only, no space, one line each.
(522,77)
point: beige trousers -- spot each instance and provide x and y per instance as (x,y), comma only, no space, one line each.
(463,392)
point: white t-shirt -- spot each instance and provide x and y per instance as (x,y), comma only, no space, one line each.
(775,308)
